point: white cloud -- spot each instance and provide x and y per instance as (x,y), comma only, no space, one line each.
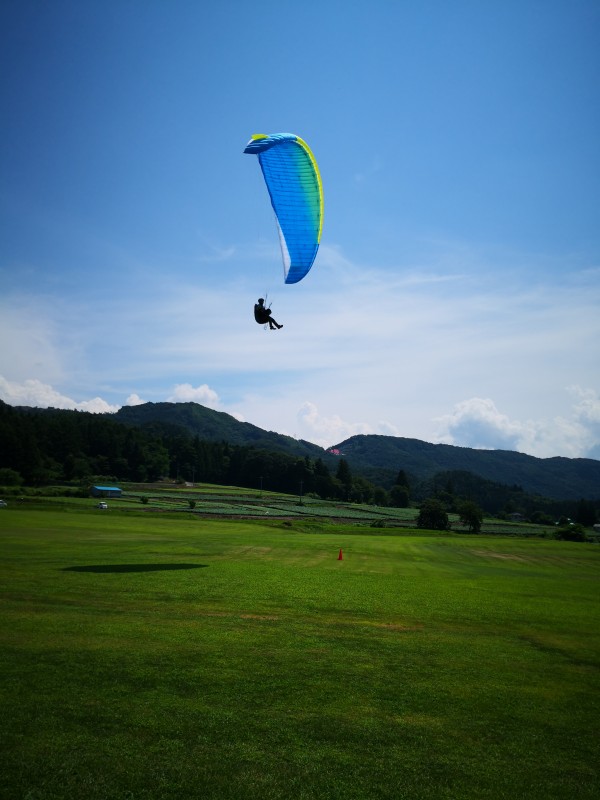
(96,406)
(588,407)
(326,431)
(28,339)
(186,393)
(33,392)
(134,400)
(587,414)
(375,351)
(478,423)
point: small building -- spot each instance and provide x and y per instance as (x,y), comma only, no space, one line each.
(106,491)
(516,517)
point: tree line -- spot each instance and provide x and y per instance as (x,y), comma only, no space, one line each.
(38,449)
(42,447)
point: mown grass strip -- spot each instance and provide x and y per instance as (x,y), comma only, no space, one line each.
(166,656)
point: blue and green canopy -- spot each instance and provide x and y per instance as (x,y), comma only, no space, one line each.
(294,183)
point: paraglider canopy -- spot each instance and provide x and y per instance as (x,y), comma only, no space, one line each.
(294,183)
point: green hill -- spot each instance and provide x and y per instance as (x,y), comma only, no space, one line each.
(380,457)
(210,425)
(557,478)
(377,458)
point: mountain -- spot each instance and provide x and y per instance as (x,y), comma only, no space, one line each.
(557,478)
(377,458)
(210,425)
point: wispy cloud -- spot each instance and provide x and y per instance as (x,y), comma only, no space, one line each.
(214,253)
(437,352)
(29,336)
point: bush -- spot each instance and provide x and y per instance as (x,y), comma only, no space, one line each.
(399,496)
(10,477)
(432,515)
(572,533)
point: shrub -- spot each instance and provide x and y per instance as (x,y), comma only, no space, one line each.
(432,515)
(572,533)
(10,477)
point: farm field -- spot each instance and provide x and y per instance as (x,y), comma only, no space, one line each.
(176,655)
(237,502)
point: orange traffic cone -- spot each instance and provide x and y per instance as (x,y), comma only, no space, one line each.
(340,557)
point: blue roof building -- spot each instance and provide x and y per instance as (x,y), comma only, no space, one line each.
(106,491)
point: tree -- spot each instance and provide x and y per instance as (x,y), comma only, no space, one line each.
(470,515)
(344,476)
(399,496)
(10,477)
(541,518)
(343,473)
(432,515)
(380,496)
(402,479)
(586,513)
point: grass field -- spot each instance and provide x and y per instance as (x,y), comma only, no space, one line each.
(149,656)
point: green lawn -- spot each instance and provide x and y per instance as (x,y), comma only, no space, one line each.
(149,656)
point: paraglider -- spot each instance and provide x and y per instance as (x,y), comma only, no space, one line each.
(294,184)
(263,315)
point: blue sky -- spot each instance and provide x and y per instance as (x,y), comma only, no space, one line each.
(455,296)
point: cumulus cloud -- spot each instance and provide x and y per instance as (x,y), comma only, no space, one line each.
(375,350)
(479,424)
(33,392)
(204,395)
(326,431)
(37,394)
(186,393)
(587,415)
(134,400)
(587,407)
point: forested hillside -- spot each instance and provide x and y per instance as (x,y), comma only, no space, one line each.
(213,426)
(558,478)
(43,446)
